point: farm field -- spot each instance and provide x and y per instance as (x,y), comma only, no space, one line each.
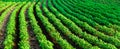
(59,24)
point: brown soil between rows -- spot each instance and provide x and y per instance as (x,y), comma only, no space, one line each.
(3,29)
(32,38)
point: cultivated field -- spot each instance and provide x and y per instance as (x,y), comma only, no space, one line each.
(60,24)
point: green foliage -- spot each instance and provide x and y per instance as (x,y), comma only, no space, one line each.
(24,36)
(43,42)
(87,24)
(10,30)
(52,31)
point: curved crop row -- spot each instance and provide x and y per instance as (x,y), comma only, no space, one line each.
(52,31)
(96,15)
(4,14)
(56,22)
(104,29)
(59,24)
(10,29)
(43,42)
(102,8)
(72,26)
(24,36)
(91,30)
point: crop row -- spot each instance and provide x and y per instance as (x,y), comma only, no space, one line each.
(64,24)
(43,42)
(89,28)
(64,30)
(5,14)
(10,29)
(23,34)
(104,29)
(52,31)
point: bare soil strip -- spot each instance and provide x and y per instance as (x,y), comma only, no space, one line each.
(33,41)
(3,29)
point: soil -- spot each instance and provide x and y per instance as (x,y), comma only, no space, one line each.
(3,29)
(56,45)
(63,35)
(33,41)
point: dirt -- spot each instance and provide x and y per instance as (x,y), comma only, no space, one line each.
(17,39)
(33,41)
(3,29)
(56,45)
(63,35)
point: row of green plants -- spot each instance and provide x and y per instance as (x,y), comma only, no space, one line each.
(80,29)
(74,28)
(103,15)
(51,29)
(107,16)
(101,11)
(5,14)
(93,7)
(43,42)
(115,9)
(87,7)
(91,30)
(100,28)
(117,34)
(23,34)
(64,30)
(10,29)
(107,2)
(104,29)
